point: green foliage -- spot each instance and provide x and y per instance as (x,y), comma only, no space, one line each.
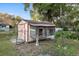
(63,46)
(65,28)
(65,50)
(77,28)
(50,10)
(67,35)
(26,6)
(18,19)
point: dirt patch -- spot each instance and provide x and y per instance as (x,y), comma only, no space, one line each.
(30,49)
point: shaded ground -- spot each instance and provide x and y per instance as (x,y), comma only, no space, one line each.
(32,49)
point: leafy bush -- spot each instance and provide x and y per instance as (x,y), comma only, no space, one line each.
(65,50)
(66,34)
(65,28)
(77,28)
(62,43)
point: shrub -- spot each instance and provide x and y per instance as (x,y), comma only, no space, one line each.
(65,50)
(77,28)
(63,45)
(65,28)
(66,34)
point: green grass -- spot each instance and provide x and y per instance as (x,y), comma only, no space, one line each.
(6,47)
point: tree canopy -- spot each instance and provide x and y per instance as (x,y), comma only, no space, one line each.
(50,10)
(62,13)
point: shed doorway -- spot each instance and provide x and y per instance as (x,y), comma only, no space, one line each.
(40,33)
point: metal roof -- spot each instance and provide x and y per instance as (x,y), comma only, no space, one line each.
(39,23)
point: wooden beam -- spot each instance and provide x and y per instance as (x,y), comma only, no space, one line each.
(37,37)
(43,32)
(47,31)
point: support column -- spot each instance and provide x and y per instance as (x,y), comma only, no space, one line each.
(47,31)
(43,32)
(37,37)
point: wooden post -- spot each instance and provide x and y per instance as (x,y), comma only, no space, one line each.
(44,32)
(16,31)
(24,34)
(47,31)
(16,26)
(37,37)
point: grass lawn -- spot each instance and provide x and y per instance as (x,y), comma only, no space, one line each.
(6,47)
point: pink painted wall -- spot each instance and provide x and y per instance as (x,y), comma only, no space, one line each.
(22,30)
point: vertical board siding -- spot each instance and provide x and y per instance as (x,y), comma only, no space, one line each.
(22,31)
(27,32)
(32,33)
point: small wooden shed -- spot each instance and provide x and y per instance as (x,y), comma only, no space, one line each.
(29,30)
